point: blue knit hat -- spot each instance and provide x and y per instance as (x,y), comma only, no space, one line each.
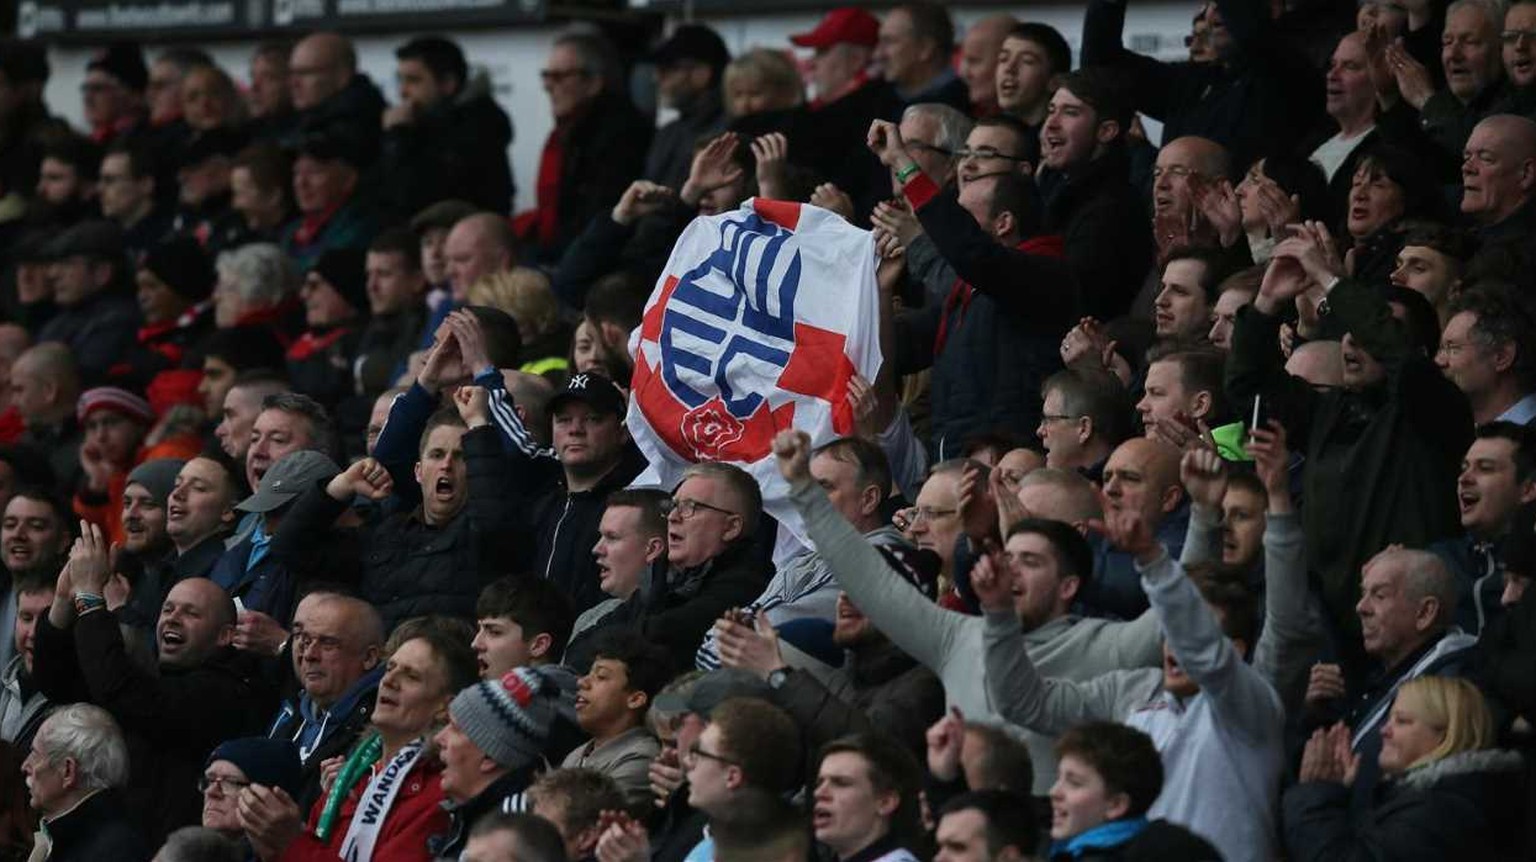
(268,762)
(509,718)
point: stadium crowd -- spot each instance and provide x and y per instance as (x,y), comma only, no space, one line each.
(1190,516)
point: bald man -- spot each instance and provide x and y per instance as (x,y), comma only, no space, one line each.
(44,386)
(1320,363)
(204,692)
(328,91)
(1498,179)
(478,246)
(1142,474)
(978,61)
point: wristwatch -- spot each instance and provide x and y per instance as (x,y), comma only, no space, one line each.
(777,677)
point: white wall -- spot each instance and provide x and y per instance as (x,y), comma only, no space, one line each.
(514,56)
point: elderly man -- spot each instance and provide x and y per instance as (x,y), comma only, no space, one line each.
(1474,70)
(287,423)
(1498,181)
(1407,607)
(328,91)
(1488,349)
(45,386)
(447,138)
(77,770)
(914,54)
(710,564)
(490,748)
(203,694)
(858,476)
(979,50)
(96,319)
(1085,414)
(596,149)
(325,187)
(948,642)
(845,99)
(337,643)
(1381,452)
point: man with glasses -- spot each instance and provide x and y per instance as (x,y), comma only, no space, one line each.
(1086,413)
(749,744)
(126,188)
(336,642)
(997,145)
(595,150)
(932,133)
(328,91)
(711,564)
(236,765)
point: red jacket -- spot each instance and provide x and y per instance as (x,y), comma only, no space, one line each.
(417,814)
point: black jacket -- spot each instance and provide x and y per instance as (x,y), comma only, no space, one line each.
(1505,250)
(671,156)
(832,145)
(1094,209)
(1001,340)
(564,523)
(99,331)
(605,247)
(675,608)
(1381,464)
(457,149)
(602,152)
(497,797)
(171,720)
(386,344)
(97,830)
(410,568)
(355,113)
(1263,102)
(1466,806)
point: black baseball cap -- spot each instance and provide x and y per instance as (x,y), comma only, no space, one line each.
(692,42)
(595,390)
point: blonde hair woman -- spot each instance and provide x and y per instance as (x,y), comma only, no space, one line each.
(1445,793)
(760,80)
(524,293)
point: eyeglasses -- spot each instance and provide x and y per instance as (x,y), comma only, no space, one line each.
(926,513)
(986,153)
(225,783)
(919,145)
(1514,37)
(555,76)
(695,752)
(302,641)
(686,508)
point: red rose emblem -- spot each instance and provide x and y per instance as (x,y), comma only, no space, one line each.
(710,429)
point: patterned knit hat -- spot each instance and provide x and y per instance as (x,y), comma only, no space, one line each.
(509,718)
(114,399)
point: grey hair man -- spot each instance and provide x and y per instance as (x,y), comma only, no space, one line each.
(75,772)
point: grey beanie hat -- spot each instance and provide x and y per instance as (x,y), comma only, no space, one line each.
(158,477)
(508,718)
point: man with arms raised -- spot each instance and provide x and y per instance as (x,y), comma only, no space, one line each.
(204,693)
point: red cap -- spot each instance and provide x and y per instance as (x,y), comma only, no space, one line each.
(845,24)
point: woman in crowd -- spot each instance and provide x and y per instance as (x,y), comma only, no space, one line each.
(1449,793)
(1389,186)
(393,776)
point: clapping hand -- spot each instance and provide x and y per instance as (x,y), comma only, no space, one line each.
(90,560)
(946,739)
(750,646)
(623,839)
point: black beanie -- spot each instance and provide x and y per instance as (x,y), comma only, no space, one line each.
(182,264)
(247,348)
(345,269)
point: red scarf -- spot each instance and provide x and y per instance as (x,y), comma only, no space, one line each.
(311,343)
